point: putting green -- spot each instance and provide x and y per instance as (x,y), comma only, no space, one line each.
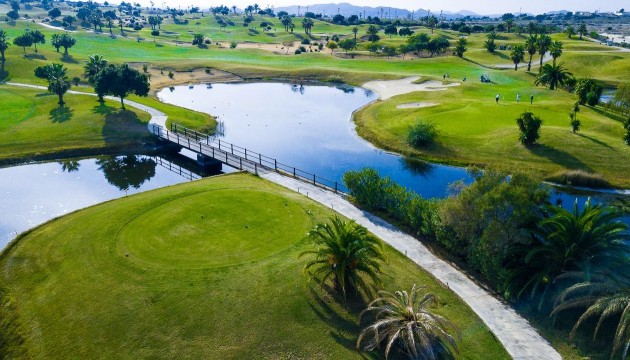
(199,231)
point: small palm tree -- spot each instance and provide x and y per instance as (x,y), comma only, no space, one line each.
(405,320)
(582,30)
(355,30)
(58,81)
(553,75)
(531,45)
(604,297)
(567,241)
(555,50)
(346,253)
(544,42)
(4,45)
(92,68)
(372,31)
(517,55)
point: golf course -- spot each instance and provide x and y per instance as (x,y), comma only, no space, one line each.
(243,266)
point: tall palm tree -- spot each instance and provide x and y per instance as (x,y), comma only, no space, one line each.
(517,55)
(553,75)
(372,31)
(569,241)
(307,24)
(4,45)
(544,42)
(405,320)
(531,45)
(94,65)
(345,252)
(58,81)
(582,30)
(603,297)
(555,50)
(355,30)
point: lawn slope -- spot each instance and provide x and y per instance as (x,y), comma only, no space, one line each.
(207,269)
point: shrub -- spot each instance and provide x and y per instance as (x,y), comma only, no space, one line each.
(171,75)
(579,178)
(298,52)
(626,137)
(529,127)
(233,45)
(306,41)
(422,134)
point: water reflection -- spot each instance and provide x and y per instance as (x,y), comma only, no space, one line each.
(69,165)
(68,185)
(130,171)
(417,167)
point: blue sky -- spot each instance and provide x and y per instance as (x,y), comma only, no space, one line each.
(481,7)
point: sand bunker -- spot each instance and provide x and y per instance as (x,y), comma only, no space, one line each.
(389,88)
(415,105)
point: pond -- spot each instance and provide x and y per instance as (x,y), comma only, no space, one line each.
(311,128)
(35,193)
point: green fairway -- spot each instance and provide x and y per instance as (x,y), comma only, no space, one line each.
(31,123)
(475,130)
(207,269)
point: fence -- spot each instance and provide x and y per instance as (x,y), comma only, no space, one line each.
(239,157)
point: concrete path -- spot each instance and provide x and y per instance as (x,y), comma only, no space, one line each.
(518,337)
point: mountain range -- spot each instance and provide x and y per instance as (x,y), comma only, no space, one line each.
(384,12)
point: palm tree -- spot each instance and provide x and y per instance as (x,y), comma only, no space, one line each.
(95,65)
(345,252)
(58,81)
(544,42)
(531,45)
(555,50)
(569,241)
(405,320)
(307,24)
(553,75)
(432,23)
(604,297)
(517,55)
(509,23)
(355,30)
(372,31)
(4,45)
(582,30)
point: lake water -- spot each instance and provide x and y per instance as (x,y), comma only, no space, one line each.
(32,194)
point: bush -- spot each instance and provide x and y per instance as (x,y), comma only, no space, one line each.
(529,128)
(376,193)
(298,52)
(422,134)
(306,41)
(626,137)
(579,178)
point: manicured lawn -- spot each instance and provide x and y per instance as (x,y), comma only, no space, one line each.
(32,123)
(475,130)
(207,269)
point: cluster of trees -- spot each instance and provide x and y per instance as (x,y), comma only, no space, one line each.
(64,41)
(350,257)
(422,42)
(30,38)
(504,229)
(14,13)
(115,80)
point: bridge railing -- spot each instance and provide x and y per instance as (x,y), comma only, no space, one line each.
(208,142)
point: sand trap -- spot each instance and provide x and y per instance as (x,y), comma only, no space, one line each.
(415,105)
(389,88)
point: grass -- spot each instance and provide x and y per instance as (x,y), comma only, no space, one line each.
(207,269)
(474,130)
(32,123)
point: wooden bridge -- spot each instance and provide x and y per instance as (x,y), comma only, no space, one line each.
(210,149)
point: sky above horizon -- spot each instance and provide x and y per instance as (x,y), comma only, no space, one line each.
(479,7)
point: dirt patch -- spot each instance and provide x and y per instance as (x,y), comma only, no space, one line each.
(415,105)
(390,88)
(159,78)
